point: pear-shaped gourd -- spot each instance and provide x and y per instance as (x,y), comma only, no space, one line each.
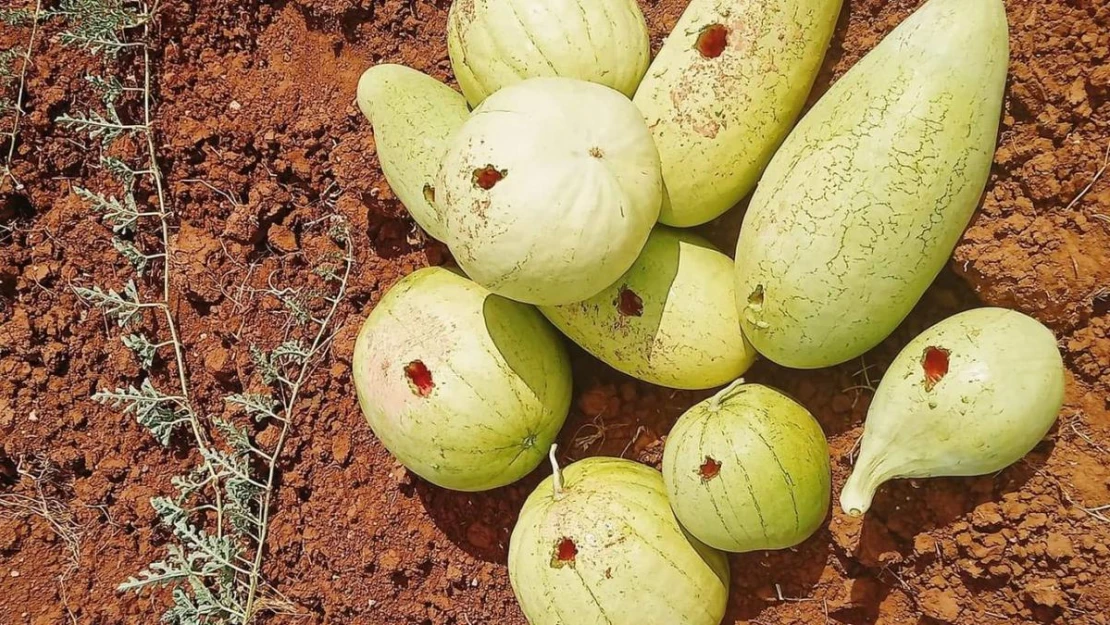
(723,93)
(748,469)
(496,43)
(550,190)
(467,389)
(864,203)
(413,116)
(598,544)
(670,320)
(970,396)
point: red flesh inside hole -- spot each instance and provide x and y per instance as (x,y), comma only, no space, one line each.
(629,304)
(712,41)
(935,364)
(420,378)
(566,551)
(488,177)
(709,469)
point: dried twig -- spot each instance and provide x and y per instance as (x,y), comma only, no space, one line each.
(639,431)
(1094,181)
(1090,441)
(17,105)
(57,515)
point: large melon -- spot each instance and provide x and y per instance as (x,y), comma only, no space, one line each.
(467,389)
(550,190)
(724,91)
(864,203)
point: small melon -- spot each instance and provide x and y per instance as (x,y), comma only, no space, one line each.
(748,469)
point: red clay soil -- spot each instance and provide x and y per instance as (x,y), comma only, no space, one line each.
(259,137)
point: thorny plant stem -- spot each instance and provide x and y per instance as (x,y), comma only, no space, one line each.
(14,134)
(289,404)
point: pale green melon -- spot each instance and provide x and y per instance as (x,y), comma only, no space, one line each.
(864,203)
(969,396)
(670,320)
(723,93)
(550,190)
(413,116)
(467,389)
(748,469)
(607,550)
(497,43)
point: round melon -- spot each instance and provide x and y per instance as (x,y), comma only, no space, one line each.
(465,388)
(605,548)
(748,469)
(670,320)
(496,43)
(550,190)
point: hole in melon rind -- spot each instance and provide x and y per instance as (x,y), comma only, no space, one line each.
(564,554)
(755,300)
(487,177)
(712,41)
(429,194)
(420,378)
(629,304)
(935,363)
(709,469)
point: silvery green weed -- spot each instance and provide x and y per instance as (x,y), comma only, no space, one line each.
(220,510)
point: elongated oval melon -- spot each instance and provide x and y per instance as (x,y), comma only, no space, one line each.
(670,320)
(723,93)
(496,43)
(605,549)
(863,205)
(748,469)
(467,389)
(413,116)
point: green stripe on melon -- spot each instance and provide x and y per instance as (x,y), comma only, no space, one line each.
(632,563)
(747,470)
(670,320)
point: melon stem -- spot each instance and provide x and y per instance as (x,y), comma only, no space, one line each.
(860,488)
(715,401)
(556,475)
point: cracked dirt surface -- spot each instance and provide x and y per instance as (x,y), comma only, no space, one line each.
(256,101)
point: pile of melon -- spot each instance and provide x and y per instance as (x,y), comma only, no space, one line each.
(562,178)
